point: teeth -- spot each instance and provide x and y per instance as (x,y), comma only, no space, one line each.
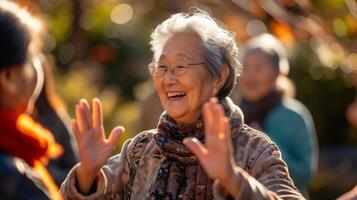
(174,94)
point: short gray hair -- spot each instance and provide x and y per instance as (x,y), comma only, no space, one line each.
(219,47)
(271,47)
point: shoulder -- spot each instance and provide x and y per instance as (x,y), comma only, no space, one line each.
(6,165)
(142,139)
(15,181)
(294,107)
(136,146)
(249,145)
(248,135)
(290,110)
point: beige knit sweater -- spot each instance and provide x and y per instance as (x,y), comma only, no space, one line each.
(262,173)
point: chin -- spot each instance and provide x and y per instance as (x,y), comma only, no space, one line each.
(174,113)
(177,115)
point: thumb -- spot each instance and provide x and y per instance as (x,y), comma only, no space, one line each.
(196,147)
(115,135)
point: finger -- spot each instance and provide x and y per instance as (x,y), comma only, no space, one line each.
(75,129)
(115,135)
(79,119)
(97,114)
(228,135)
(208,117)
(220,119)
(83,112)
(215,116)
(87,113)
(210,136)
(215,122)
(196,147)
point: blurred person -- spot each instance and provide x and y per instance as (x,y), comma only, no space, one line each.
(50,112)
(201,148)
(267,108)
(25,145)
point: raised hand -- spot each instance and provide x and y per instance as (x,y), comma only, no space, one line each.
(216,156)
(94,148)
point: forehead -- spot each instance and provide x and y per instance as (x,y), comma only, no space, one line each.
(182,45)
(257,57)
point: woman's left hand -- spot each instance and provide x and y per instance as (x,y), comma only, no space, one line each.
(216,156)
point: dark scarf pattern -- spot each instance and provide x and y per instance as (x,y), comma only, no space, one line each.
(180,175)
(257,111)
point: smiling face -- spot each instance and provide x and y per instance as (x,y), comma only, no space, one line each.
(259,76)
(183,96)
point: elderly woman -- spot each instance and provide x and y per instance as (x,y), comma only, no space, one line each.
(267,107)
(201,148)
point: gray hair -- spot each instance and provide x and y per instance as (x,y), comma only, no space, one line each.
(270,46)
(219,47)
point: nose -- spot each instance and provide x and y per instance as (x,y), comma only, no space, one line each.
(169,78)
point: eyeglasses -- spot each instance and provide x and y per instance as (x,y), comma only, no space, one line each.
(158,69)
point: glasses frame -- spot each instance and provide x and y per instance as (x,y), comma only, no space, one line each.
(153,67)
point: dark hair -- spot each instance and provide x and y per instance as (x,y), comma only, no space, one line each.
(271,47)
(14,40)
(271,53)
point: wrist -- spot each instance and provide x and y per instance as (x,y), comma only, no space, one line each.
(85,178)
(85,172)
(230,184)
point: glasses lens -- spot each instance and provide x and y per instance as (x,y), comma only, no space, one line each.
(180,68)
(160,69)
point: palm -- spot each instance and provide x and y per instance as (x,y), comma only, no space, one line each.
(215,157)
(94,148)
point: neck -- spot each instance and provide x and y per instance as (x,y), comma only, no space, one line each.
(13,110)
(185,120)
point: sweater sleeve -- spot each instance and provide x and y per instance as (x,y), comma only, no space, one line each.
(268,179)
(109,183)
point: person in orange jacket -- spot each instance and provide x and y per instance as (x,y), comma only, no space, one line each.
(25,146)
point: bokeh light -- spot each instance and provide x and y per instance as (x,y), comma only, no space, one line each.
(122,13)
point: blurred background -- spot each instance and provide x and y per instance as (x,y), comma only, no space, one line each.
(101,49)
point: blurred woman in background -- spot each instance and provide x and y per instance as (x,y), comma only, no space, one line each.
(26,146)
(268,106)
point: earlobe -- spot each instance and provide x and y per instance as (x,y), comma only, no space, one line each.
(222,77)
(7,82)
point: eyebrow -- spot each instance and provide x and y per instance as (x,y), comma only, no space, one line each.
(182,54)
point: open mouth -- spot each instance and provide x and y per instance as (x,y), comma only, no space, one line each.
(175,95)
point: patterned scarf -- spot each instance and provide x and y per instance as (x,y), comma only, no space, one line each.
(180,175)
(22,137)
(257,111)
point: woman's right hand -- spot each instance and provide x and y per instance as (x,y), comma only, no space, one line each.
(94,148)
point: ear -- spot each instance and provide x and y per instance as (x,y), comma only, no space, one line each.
(8,80)
(222,77)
